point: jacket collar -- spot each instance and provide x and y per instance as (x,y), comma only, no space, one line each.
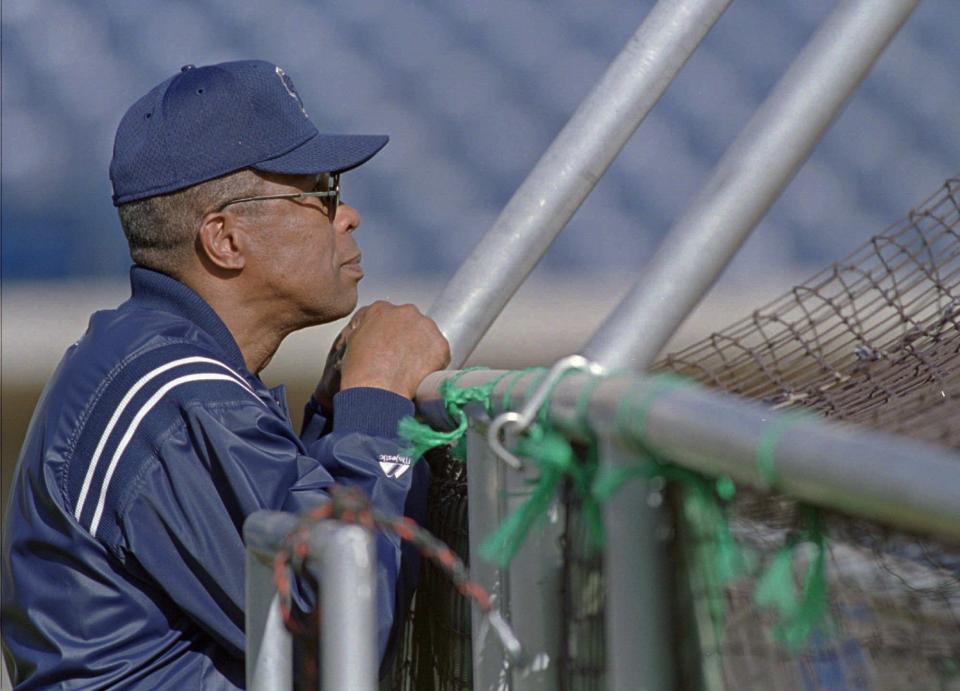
(154,290)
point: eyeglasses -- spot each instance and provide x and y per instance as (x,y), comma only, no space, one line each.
(332,193)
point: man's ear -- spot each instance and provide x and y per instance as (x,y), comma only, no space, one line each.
(221,241)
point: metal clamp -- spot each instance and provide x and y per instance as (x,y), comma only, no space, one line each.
(520,421)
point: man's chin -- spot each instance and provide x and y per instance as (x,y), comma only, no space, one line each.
(343,308)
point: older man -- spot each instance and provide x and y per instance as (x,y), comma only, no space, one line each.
(155,438)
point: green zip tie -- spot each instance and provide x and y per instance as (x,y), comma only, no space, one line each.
(508,390)
(583,401)
(659,384)
(767,445)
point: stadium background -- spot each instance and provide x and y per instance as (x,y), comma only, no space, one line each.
(471,94)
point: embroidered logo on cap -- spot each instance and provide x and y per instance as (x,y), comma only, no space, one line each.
(394,465)
(288,85)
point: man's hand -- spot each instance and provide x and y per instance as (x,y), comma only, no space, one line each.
(386,346)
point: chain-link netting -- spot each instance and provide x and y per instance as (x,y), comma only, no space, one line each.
(582,663)
(435,652)
(873,340)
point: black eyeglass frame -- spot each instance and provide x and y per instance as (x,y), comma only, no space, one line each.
(332,193)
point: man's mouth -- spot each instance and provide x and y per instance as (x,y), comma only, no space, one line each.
(352,266)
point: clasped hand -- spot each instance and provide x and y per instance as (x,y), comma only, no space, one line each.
(386,346)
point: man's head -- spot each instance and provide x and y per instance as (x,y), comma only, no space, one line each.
(209,135)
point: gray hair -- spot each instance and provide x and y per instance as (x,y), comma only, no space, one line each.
(161,230)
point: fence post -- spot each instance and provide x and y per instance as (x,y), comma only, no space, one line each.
(484,512)
(637,606)
(529,591)
(749,178)
(569,169)
(343,561)
(345,568)
(269,663)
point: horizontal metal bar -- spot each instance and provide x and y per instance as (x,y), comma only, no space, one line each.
(569,169)
(859,471)
(749,178)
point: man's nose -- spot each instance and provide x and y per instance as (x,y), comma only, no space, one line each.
(347,219)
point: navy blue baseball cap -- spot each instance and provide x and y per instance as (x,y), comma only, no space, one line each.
(205,122)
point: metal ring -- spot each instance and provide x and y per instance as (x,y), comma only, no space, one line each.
(520,421)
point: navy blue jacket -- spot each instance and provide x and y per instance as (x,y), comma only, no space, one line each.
(122,551)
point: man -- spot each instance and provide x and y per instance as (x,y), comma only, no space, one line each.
(155,438)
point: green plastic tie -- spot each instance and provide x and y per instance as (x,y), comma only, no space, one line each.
(800,614)
(422,437)
(583,402)
(506,403)
(767,445)
(555,458)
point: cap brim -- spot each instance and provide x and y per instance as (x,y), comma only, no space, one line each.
(326,153)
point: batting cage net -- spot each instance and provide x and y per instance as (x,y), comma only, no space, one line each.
(812,599)
(872,340)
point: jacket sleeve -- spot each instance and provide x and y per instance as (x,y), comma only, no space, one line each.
(181,524)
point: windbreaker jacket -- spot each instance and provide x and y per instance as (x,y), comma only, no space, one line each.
(122,545)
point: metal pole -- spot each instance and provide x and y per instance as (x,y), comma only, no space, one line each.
(859,471)
(637,608)
(484,512)
(748,179)
(345,567)
(529,592)
(536,586)
(569,169)
(269,663)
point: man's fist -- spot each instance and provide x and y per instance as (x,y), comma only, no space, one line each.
(392,347)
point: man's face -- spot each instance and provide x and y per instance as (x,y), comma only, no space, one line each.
(302,258)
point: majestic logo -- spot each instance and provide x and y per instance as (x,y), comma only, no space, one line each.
(394,465)
(291,89)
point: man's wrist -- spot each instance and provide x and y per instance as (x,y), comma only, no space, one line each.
(370,410)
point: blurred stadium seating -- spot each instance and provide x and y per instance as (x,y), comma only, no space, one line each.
(471,93)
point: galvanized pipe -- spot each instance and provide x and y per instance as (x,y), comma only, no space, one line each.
(485,510)
(568,171)
(345,568)
(861,472)
(269,659)
(344,563)
(637,618)
(748,179)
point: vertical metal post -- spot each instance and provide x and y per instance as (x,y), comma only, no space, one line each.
(748,179)
(569,169)
(484,512)
(637,607)
(536,586)
(345,567)
(529,592)
(269,663)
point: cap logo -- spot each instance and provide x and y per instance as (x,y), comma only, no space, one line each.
(288,85)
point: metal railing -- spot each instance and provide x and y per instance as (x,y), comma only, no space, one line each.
(884,478)
(342,561)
